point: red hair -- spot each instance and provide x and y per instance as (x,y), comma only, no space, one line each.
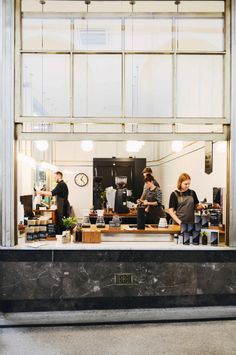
(182,177)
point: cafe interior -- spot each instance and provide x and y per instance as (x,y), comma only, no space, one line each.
(108,88)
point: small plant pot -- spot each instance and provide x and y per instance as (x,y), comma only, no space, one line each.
(66,236)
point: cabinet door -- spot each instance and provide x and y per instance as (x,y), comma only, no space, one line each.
(107,173)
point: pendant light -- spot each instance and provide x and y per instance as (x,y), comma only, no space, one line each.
(87,145)
(133,146)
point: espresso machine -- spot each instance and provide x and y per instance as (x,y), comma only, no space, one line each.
(121,194)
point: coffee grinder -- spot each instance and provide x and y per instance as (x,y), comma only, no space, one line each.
(121,194)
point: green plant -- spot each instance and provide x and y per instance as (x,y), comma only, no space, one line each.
(103,196)
(69,222)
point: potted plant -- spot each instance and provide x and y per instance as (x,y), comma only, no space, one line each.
(69,223)
(103,199)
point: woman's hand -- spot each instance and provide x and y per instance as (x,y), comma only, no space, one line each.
(202,206)
(146,203)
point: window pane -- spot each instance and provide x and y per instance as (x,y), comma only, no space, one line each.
(102,34)
(201,6)
(148,34)
(199,86)
(97,85)
(45,34)
(45,85)
(201,34)
(148,85)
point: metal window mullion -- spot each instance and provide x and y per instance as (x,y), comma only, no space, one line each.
(18,61)
(72,68)
(232,182)
(111,15)
(116,137)
(128,119)
(123,65)
(226,61)
(7,196)
(174,66)
(163,52)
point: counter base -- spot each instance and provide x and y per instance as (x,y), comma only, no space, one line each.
(117,316)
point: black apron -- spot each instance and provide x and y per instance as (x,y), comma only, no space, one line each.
(185,209)
(154,214)
(63,207)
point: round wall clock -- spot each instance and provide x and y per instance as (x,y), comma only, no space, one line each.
(81,179)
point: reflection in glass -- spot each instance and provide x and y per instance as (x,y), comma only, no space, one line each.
(97,34)
(201,34)
(45,34)
(45,85)
(148,85)
(97,85)
(148,34)
(199,86)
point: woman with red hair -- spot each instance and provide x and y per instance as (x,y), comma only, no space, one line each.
(183,201)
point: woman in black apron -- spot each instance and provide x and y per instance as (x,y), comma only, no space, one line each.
(152,199)
(183,201)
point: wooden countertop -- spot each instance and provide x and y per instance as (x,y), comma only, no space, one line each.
(125,229)
(171,229)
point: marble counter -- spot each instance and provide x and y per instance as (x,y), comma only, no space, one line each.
(50,276)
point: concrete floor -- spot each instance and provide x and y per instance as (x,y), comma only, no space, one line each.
(203,338)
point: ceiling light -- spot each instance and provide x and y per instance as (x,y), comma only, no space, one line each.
(42,146)
(177,146)
(87,146)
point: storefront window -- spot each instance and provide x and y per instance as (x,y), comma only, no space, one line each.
(149,85)
(201,34)
(97,85)
(112,73)
(158,80)
(45,85)
(148,34)
(97,34)
(46,34)
(199,86)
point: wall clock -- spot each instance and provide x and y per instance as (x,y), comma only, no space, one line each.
(81,179)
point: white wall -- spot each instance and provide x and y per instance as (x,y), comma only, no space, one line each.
(192,161)
(71,160)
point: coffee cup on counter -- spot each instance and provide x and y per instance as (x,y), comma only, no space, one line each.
(162,223)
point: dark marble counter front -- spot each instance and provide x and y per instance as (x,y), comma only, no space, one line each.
(33,280)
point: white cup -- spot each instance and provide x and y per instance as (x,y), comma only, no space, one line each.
(162,223)
(59,238)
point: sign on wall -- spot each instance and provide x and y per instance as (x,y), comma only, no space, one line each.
(208,157)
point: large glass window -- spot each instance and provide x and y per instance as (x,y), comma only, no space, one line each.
(97,85)
(201,34)
(97,34)
(149,60)
(199,86)
(148,34)
(46,34)
(45,85)
(148,85)
(111,72)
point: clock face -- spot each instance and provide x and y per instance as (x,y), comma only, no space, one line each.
(81,179)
